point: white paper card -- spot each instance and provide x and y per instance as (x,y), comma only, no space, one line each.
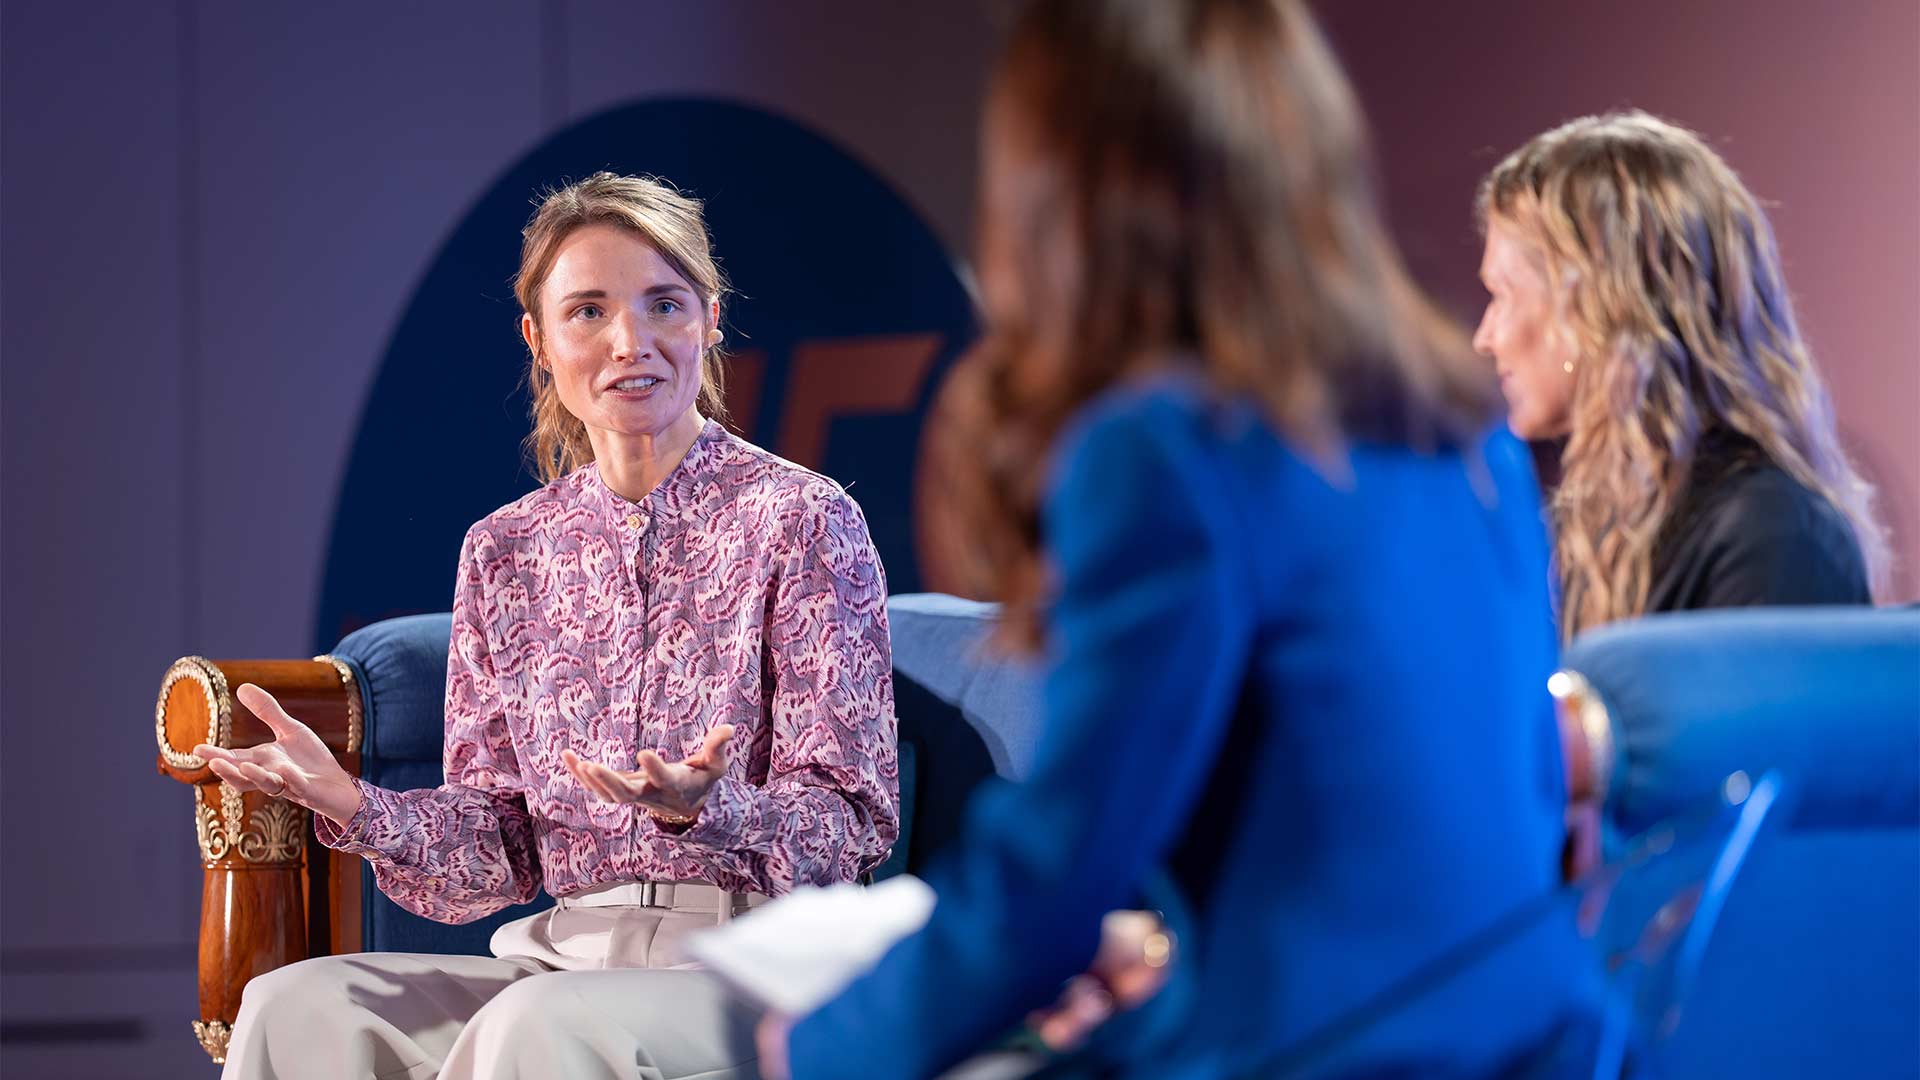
(796,953)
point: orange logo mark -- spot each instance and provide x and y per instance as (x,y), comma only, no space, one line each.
(829,379)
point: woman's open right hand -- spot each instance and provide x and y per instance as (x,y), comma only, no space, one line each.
(295,766)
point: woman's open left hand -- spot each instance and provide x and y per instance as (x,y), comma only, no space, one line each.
(668,789)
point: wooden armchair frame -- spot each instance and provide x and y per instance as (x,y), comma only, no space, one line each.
(271,894)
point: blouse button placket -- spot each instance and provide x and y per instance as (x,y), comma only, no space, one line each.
(637,562)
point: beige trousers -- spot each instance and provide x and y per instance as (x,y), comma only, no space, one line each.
(595,988)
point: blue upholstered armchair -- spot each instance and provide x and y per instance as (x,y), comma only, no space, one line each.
(1814,967)
(963,717)
(273,895)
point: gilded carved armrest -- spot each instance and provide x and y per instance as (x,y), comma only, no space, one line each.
(271,894)
(1586,749)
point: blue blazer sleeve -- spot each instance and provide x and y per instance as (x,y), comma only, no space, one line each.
(1150,635)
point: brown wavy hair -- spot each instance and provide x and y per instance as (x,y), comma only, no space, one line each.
(1177,183)
(1679,310)
(670,223)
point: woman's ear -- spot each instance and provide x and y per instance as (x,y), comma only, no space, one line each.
(531,334)
(713,322)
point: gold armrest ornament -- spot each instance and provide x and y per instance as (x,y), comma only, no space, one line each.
(1577,701)
(356,723)
(213,683)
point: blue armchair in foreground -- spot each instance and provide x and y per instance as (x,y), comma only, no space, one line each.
(1815,967)
(273,895)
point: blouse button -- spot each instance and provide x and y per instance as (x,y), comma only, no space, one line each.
(636,520)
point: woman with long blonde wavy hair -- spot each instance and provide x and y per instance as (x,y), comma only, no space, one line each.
(1638,310)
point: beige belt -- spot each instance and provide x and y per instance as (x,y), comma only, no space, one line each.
(696,897)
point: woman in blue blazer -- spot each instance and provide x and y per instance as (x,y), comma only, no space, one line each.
(1242,488)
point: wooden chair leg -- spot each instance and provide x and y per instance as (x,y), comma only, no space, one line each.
(253,910)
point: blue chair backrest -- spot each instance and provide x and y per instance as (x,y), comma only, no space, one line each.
(1815,969)
(1831,695)
(401,667)
(964,717)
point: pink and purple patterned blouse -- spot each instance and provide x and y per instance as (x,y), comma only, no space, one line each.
(743,589)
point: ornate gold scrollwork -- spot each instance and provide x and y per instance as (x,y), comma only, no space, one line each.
(355,721)
(279,834)
(278,831)
(213,1036)
(206,826)
(213,683)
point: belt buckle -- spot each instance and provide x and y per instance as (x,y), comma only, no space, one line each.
(649,894)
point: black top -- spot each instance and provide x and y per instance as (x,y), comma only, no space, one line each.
(1747,533)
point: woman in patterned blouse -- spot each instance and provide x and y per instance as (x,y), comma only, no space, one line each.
(668,696)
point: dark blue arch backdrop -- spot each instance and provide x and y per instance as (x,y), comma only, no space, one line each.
(847,313)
